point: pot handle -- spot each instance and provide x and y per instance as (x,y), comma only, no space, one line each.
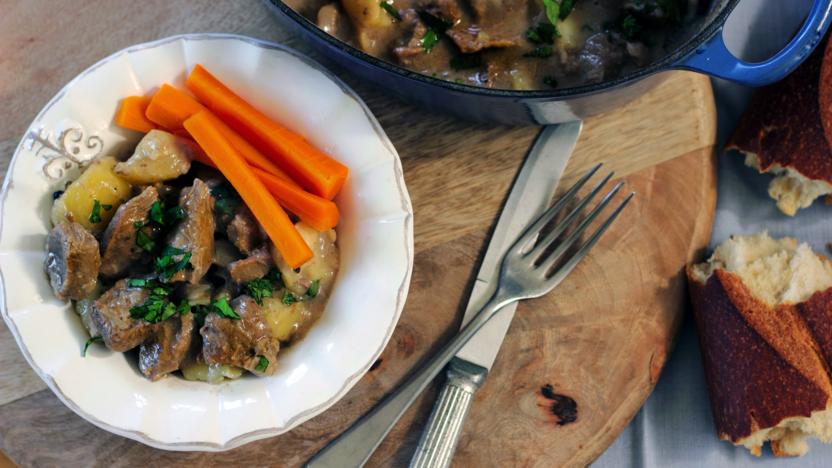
(714,58)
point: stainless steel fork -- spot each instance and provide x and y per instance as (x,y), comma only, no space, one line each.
(531,267)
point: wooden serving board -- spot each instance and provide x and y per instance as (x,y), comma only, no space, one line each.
(597,344)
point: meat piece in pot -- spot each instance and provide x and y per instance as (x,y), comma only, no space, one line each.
(244,232)
(252,267)
(195,233)
(410,53)
(72,261)
(118,245)
(242,342)
(165,350)
(111,316)
(472,39)
(599,57)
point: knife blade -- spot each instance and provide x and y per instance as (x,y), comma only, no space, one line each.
(530,195)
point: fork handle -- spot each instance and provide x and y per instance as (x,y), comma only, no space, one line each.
(356,444)
(439,439)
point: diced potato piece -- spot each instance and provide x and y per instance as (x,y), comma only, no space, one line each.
(284,320)
(158,157)
(97,182)
(367,13)
(321,267)
(213,374)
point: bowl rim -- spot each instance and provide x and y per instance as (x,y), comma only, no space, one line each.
(291,423)
(665,63)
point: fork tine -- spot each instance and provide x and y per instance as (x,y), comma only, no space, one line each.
(573,237)
(530,233)
(563,224)
(570,265)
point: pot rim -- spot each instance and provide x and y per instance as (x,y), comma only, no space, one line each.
(665,63)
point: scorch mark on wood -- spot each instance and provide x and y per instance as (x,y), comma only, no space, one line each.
(563,407)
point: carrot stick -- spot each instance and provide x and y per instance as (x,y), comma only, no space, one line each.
(130,114)
(307,165)
(170,107)
(205,130)
(318,212)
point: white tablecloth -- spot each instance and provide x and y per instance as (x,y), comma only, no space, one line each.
(675,427)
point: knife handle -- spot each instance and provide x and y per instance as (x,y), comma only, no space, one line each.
(439,439)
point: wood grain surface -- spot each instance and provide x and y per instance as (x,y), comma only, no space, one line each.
(600,340)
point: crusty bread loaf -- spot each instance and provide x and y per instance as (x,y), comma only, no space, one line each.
(763,308)
(782,132)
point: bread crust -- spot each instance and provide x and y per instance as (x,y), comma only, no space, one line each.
(816,312)
(782,125)
(825,93)
(755,383)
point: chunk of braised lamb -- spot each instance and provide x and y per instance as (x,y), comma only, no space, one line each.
(72,261)
(247,343)
(119,248)
(195,233)
(166,348)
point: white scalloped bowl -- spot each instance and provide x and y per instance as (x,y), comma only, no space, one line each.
(375,237)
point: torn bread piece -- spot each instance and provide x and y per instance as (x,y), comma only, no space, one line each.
(782,133)
(763,308)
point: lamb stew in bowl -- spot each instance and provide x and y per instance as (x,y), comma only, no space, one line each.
(183,251)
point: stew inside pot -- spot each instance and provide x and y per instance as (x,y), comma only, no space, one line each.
(508,44)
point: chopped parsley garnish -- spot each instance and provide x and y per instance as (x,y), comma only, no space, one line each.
(138,282)
(429,40)
(106,207)
(222,308)
(258,289)
(565,8)
(174,214)
(144,241)
(262,362)
(550,81)
(95,214)
(461,62)
(288,298)
(94,339)
(539,52)
(543,33)
(167,266)
(158,307)
(436,26)
(391,10)
(165,216)
(552,8)
(314,288)
(157,212)
(557,10)
(184,307)
(630,27)
(274,276)
(226,199)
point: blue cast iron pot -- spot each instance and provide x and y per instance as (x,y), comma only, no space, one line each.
(703,51)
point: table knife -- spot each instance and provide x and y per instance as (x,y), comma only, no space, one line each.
(538,176)
(532,191)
